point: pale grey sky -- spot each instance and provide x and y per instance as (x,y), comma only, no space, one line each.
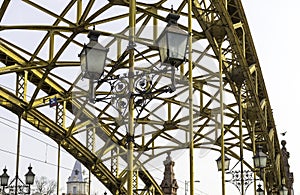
(274,26)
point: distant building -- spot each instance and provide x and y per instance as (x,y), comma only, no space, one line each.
(76,184)
(169,184)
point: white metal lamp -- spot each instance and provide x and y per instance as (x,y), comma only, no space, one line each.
(226,163)
(93,57)
(260,158)
(172,42)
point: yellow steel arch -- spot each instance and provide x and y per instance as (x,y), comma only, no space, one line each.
(51,66)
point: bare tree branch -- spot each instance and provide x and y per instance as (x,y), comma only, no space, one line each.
(45,186)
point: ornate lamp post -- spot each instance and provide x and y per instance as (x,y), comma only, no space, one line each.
(172,45)
(237,176)
(22,188)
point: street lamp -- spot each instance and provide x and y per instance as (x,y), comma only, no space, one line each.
(134,89)
(226,163)
(283,191)
(23,188)
(260,158)
(172,42)
(259,191)
(29,176)
(4,178)
(186,185)
(93,57)
(238,178)
(92,61)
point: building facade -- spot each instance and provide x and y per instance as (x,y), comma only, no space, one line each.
(76,184)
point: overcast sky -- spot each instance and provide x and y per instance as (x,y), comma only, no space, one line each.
(274,26)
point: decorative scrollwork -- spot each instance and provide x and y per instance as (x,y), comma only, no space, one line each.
(143,84)
(120,87)
(143,89)
(238,178)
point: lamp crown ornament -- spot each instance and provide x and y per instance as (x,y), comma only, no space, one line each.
(172,19)
(94,35)
(259,190)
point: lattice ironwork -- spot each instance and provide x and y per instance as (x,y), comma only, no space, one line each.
(61,114)
(21,85)
(237,177)
(115,162)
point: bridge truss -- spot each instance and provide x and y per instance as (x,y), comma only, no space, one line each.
(40,55)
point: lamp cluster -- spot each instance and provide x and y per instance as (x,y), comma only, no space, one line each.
(23,188)
(259,160)
(171,44)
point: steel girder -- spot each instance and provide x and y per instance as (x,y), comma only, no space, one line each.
(230,16)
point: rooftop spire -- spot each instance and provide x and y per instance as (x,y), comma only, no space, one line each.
(76,175)
(169,183)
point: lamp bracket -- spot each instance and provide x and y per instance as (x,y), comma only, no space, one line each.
(237,177)
(129,138)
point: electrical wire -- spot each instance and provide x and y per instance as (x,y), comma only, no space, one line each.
(27,134)
(47,144)
(34,159)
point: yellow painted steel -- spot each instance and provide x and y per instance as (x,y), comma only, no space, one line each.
(43,72)
(191,104)
(131,125)
(58,169)
(222,117)
(241,140)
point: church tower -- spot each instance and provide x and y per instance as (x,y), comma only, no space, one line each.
(76,185)
(169,184)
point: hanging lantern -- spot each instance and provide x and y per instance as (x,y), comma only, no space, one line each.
(172,42)
(93,57)
(226,163)
(4,178)
(260,158)
(29,176)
